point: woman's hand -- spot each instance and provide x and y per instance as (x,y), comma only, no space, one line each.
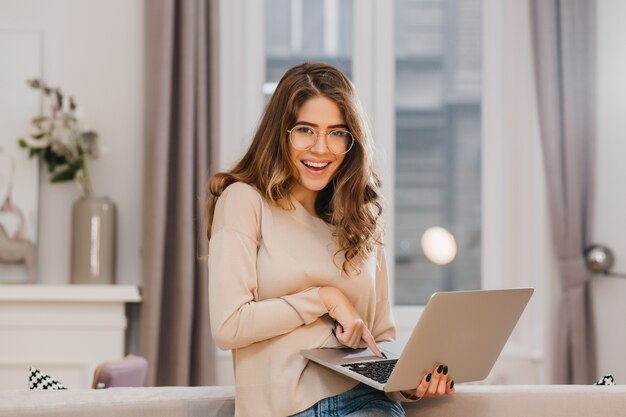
(351,328)
(433,384)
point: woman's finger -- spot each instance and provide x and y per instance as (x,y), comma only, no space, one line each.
(343,334)
(450,387)
(370,342)
(434,382)
(357,331)
(352,337)
(339,334)
(344,337)
(423,386)
(347,336)
(443,381)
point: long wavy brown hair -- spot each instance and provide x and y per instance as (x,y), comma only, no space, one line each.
(351,201)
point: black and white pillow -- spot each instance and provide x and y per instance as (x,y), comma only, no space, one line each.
(40,380)
(606,380)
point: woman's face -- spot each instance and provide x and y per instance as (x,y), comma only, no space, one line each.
(316,165)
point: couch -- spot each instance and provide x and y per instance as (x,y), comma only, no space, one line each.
(470,400)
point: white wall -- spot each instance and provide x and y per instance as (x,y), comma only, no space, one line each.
(610,207)
(93,50)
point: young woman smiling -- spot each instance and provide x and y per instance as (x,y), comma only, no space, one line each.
(295,255)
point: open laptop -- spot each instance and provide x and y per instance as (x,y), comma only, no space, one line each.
(465,330)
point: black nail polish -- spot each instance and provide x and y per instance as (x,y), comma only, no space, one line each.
(428,377)
(439,369)
(384,356)
(445,370)
(452,384)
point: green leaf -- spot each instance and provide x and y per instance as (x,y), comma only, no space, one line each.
(65,175)
(50,164)
(38,136)
(34,152)
(53,159)
(22,143)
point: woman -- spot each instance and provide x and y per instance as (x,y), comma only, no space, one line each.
(295,259)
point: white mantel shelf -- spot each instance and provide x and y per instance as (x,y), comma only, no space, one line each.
(63,330)
(70,293)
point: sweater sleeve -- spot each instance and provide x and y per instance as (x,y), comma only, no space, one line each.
(238,318)
(384,328)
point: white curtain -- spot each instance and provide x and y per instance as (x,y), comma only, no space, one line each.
(517,249)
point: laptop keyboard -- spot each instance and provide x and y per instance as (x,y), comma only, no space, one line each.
(379,371)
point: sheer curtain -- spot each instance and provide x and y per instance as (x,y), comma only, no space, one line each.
(564,59)
(516,238)
(180,126)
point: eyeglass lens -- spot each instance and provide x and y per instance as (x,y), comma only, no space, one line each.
(338,141)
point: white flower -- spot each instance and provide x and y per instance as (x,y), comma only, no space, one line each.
(68,144)
(37,143)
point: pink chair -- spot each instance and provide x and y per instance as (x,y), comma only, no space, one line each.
(128,372)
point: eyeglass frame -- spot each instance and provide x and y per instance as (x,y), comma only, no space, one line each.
(317,136)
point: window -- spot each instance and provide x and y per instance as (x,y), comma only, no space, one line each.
(435,128)
(437,147)
(306,30)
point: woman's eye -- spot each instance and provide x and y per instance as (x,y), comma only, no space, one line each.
(305,130)
(338,133)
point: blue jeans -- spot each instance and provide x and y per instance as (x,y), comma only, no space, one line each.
(360,401)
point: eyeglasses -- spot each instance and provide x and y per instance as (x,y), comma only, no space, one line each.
(338,141)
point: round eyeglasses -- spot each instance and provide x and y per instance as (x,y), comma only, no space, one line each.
(338,141)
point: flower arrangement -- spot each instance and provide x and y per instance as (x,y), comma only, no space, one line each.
(59,138)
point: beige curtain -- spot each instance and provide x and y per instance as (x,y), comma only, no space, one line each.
(174,332)
(564,52)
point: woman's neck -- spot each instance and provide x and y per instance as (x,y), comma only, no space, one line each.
(307,198)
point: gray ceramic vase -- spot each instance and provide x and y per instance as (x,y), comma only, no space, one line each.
(93,241)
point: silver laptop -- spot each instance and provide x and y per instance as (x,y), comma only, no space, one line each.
(465,330)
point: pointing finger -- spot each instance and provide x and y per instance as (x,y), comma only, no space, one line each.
(371,343)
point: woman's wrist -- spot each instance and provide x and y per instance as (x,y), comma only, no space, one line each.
(329,297)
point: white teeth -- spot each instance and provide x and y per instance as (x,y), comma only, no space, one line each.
(316,164)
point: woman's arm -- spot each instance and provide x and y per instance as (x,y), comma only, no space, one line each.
(237,319)
(384,327)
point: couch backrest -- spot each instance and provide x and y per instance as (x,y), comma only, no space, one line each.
(470,400)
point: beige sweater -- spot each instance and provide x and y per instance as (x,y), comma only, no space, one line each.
(266,265)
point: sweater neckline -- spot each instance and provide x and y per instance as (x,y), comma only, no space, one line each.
(302,214)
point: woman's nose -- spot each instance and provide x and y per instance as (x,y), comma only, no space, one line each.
(320,145)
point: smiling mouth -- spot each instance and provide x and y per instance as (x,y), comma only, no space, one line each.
(315,166)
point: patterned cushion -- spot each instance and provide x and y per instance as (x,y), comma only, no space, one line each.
(606,380)
(40,380)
